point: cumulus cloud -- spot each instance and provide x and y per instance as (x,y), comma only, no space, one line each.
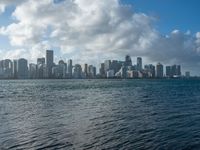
(93,30)
(5,3)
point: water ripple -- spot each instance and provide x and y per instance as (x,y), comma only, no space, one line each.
(100,114)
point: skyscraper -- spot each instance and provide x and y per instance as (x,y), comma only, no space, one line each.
(59,71)
(40,61)
(139,63)
(178,70)
(32,71)
(107,65)
(69,68)
(77,74)
(91,71)
(102,71)
(49,62)
(7,68)
(128,61)
(159,70)
(173,71)
(15,69)
(86,70)
(151,71)
(22,69)
(168,71)
(115,65)
(187,74)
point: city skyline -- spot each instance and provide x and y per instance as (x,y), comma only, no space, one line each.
(46,68)
(90,31)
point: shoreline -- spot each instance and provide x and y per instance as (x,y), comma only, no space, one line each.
(181,78)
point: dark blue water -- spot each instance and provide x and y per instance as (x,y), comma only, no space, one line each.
(100,114)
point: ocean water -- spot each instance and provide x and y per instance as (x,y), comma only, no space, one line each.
(100,114)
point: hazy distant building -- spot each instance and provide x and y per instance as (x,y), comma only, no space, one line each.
(32,71)
(1,70)
(94,71)
(77,74)
(69,68)
(128,61)
(176,70)
(107,64)
(7,67)
(7,64)
(110,74)
(187,74)
(63,65)
(91,71)
(14,70)
(122,73)
(22,69)
(59,71)
(86,70)
(150,70)
(102,71)
(173,71)
(179,70)
(40,61)
(139,63)
(159,70)
(168,71)
(42,71)
(115,65)
(132,74)
(49,62)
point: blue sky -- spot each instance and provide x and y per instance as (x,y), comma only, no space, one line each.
(171,14)
(96,31)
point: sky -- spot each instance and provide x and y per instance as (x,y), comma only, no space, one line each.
(90,31)
(170,14)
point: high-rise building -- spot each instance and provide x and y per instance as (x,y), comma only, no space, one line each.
(40,61)
(173,71)
(94,71)
(32,71)
(178,70)
(115,65)
(110,74)
(59,71)
(91,71)
(139,63)
(122,73)
(69,68)
(102,71)
(150,70)
(159,70)
(22,69)
(49,62)
(168,71)
(7,67)
(42,71)
(15,69)
(107,64)
(187,74)
(86,70)
(77,74)
(128,61)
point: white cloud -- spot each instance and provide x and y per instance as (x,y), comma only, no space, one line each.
(5,3)
(2,8)
(95,29)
